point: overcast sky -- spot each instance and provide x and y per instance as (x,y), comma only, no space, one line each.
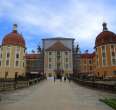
(37,19)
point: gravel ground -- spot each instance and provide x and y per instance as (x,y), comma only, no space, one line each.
(48,95)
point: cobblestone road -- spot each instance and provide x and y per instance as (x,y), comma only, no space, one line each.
(48,95)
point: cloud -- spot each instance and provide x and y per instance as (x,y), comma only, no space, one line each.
(79,19)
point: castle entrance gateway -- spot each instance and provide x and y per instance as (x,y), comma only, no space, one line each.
(58,73)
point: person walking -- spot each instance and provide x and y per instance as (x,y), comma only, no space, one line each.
(54,78)
(64,78)
(69,78)
(61,78)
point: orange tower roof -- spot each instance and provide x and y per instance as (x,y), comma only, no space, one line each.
(105,37)
(14,38)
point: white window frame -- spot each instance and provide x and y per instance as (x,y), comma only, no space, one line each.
(111,54)
(98,63)
(17,59)
(8,50)
(105,55)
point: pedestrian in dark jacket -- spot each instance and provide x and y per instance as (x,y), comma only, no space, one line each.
(64,78)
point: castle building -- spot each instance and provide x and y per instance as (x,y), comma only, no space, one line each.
(102,62)
(12,55)
(58,56)
(105,50)
(88,64)
(34,65)
(76,61)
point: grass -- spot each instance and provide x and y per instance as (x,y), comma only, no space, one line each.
(110,102)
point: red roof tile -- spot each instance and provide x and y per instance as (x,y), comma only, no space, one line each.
(88,55)
(58,46)
(33,56)
(13,38)
(105,37)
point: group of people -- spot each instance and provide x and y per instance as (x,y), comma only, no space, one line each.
(62,78)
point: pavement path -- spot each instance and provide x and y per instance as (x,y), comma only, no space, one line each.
(48,95)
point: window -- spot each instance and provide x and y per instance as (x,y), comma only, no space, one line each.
(17,63)
(113,54)
(17,55)
(7,62)
(66,59)
(49,66)
(8,55)
(66,65)
(114,61)
(23,64)
(58,64)
(97,59)
(103,48)
(70,65)
(50,53)
(58,57)
(90,62)
(114,72)
(58,53)
(66,53)
(103,55)
(50,59)
(104,61)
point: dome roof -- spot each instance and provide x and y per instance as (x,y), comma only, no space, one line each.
(105,37)
(14,38)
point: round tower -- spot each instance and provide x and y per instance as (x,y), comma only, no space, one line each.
(105,46)
(12,55)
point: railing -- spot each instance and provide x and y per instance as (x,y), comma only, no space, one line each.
(108,86)
(11,84)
